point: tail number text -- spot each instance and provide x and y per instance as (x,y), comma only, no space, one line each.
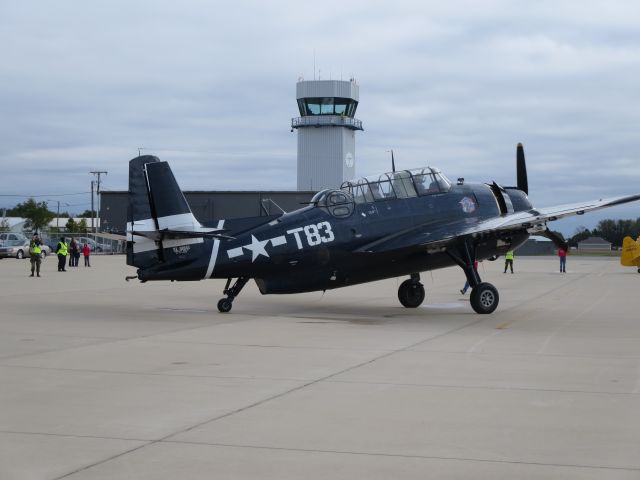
(315,234)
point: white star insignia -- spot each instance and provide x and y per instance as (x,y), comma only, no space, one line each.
(257,248)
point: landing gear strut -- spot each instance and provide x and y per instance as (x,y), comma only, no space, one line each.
(225,304)
(484,296)
(411,292)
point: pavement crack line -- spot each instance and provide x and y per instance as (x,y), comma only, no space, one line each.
(167,438)
(402,455)
(264,400)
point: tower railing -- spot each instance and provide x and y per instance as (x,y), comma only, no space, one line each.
(322,120)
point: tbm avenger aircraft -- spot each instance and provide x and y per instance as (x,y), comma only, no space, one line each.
(396,224)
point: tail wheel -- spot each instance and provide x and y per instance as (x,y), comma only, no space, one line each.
(411,294)
(484,298)
(224,305)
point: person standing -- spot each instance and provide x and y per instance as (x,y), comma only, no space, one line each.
(73,250)
(78,252)
(62,250)
(508,261)
(86,251)
(35,254)
(562,253)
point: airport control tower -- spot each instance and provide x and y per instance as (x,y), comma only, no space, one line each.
(326,132)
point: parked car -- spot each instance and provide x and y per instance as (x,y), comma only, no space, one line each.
(20,249)
(95,247)
(5,236)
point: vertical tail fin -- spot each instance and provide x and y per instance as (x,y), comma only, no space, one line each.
(630,256)
(156,203)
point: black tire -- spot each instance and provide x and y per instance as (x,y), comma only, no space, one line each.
(20,254)
(411,294)
(493,258)
(639,270)
(484,298)
(224,305)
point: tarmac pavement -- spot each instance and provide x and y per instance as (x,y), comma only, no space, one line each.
(104,379)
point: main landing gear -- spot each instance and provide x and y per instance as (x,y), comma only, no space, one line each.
(484,296)
(225,304)
(411,292)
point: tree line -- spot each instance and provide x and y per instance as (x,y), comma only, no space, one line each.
(611,230)
(38,216)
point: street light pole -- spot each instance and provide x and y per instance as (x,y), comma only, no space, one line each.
(58,210)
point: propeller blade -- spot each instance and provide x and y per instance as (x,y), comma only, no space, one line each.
(521,168)
(393,163)
(557,240)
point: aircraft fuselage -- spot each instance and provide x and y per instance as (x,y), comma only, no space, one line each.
(315,249)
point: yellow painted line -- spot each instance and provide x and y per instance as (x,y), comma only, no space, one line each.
(502,326)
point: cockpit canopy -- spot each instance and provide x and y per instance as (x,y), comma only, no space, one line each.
(400,184)
(337,202)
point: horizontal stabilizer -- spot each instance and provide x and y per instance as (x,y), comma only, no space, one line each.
(159,235)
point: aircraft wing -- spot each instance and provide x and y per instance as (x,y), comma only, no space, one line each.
(438,234)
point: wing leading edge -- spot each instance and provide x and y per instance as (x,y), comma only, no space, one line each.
(532,221)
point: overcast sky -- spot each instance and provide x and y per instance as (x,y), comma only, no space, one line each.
(210,87)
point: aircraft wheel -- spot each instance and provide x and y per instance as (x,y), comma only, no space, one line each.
(411,294)
(224,305)
(484,298)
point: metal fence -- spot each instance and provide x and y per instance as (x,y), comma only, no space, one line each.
(100,244)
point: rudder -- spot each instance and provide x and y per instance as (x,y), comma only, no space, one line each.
(630,256)
(156,204)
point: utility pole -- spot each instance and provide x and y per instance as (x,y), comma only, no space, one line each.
(97,174)
(92,212)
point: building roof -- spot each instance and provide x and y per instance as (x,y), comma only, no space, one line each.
(539,238)
(595,241)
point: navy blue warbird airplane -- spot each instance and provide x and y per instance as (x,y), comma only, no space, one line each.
(400,223)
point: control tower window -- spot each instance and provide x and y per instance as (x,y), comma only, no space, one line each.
(340,108)
(327,106)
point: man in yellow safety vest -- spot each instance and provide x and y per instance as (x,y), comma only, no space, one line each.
(35,254)
(508,261)
(62,250)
